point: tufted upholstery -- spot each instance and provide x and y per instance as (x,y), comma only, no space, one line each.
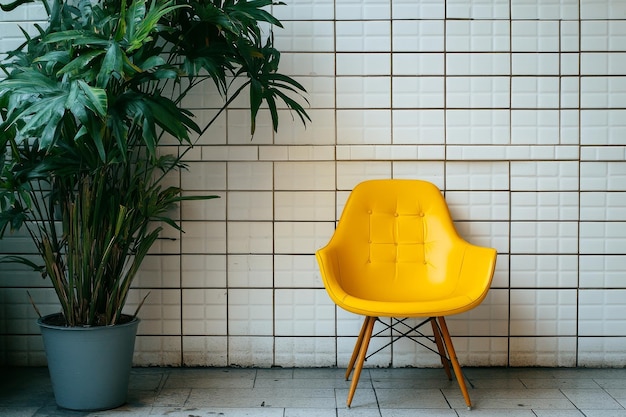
(395,253)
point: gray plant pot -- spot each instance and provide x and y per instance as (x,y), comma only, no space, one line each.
(89,366)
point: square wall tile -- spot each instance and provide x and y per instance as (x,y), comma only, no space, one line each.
(535,127)
(203,271)
(155,350)
(432,171)
(304,205)
(534,36)
(472,351)
(602,127)
(301,237)
(201,177)
(478,92)
(363,126)
(305,352)
(204,312)
(356,63)
(464,63)
(304,312)
(603,176)
(408,9)
(322,133)
(544,10)
(160,313)
(603,206)
(251,351)
(213,208)
(296,271)
(350,174)
(477,9)
(250,237)
(250,312)
(406,353)
(363,36)
(305,10)
(305,36)
(603,92)
(18,275)
(543,351)
(417,35)
(477,35)
(602,312)
(490,318)
(535,92)
(478,205)
(159,271)
(304,176)
(239,133)
(592,9)
(490,234)
(417,63)
(543,312)
(417,92)
(205,351)
(598,352)
(544,205)
(478,127)
(363,92)
(602,237)
(429,128)
(301,64)
(602,271)
(362,9)
(250,271)
(544,176)
(544,237)
(602,35)
(18,315)
(477,176)
(544,271)
(249,175)
(382,359)
(250,205)
(532,63)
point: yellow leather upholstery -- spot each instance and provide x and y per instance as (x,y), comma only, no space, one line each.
(396,253)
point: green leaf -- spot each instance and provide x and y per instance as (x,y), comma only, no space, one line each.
(96,98)
(80,62)
(111,64)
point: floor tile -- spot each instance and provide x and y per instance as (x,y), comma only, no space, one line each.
(412,412)
(322,392)
(591,399)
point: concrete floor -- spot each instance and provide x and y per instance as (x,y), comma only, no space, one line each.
(278,392)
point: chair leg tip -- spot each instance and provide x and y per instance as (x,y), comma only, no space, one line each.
(469,408)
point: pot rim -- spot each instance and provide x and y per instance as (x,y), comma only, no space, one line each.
(40,322)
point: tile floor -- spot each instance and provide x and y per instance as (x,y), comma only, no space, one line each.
(204,392)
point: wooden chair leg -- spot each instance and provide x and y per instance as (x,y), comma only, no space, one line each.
(455,362)
(441,348)
(361,357)
(357,347)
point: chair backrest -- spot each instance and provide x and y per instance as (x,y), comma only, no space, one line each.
(395,241)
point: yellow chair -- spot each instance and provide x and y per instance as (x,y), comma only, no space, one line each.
(395,253)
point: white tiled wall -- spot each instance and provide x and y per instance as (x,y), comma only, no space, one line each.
(516,109)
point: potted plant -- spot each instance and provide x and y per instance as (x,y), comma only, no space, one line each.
(86,105)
